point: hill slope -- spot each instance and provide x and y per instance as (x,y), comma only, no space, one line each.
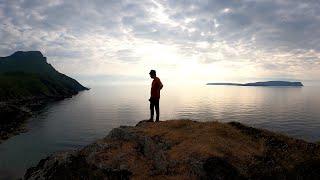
(27,74)
(27,81)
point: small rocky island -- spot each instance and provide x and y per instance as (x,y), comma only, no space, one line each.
(184,149)
(266,83)
(27,82)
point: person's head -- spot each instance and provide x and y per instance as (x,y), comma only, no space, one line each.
(153,74)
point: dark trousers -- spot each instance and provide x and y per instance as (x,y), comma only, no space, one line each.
(154,104)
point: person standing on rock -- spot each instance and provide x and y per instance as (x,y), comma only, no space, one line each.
(156,86)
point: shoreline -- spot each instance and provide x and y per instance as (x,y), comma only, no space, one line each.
(16,112)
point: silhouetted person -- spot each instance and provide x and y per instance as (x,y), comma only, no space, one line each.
(155,95)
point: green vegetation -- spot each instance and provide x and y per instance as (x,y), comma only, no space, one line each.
(28,75)
(19,85)
(27,82)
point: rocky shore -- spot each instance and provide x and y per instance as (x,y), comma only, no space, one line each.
(12,118)
(14,114)
(184,149)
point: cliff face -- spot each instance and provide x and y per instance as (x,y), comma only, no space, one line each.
(27,82)
(184,149)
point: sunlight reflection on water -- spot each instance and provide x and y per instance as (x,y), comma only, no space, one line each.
(75,122)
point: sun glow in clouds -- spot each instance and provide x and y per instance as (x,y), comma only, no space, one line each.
(199,41)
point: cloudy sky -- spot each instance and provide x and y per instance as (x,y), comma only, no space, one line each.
(184,40)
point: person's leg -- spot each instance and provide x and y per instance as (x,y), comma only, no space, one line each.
(151,110)
(156,104)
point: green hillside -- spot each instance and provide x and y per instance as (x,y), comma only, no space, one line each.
(27,74)
(27,82)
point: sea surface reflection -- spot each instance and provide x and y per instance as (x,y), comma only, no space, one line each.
(78,121)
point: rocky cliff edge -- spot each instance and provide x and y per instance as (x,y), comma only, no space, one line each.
(185,149)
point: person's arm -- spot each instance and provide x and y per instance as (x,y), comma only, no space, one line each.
(160,85)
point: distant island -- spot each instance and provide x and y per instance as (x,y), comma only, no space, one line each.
(266,83)
(27,82)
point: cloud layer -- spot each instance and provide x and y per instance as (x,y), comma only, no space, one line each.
(207,39)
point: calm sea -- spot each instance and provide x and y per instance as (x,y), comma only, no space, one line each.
(75,122)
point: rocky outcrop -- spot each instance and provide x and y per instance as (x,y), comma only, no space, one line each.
(184,149)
